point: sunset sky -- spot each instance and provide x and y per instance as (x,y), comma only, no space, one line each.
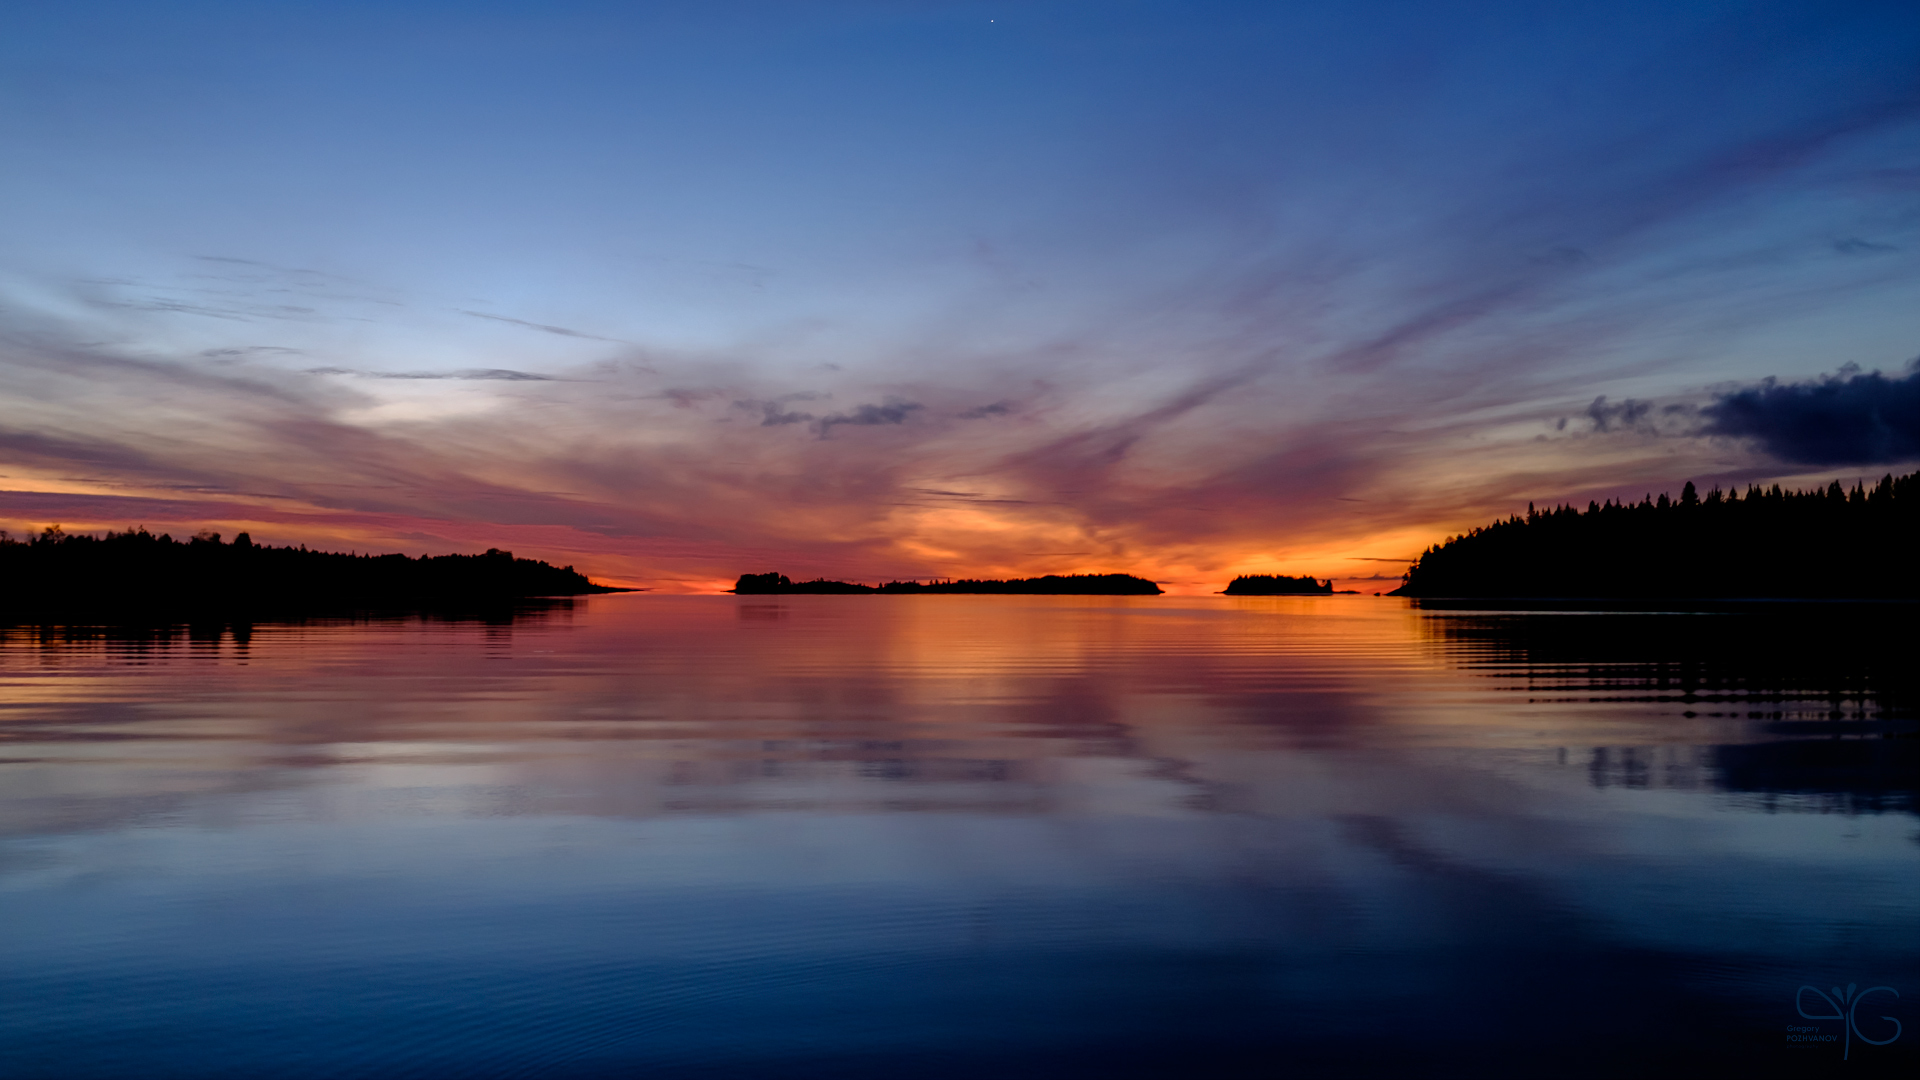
(672,292)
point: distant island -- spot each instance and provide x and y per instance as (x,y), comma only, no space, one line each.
(1277,585)
(136,571)
(1826,543)
(1049,585)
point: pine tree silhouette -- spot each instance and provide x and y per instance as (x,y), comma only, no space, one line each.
(1823,543)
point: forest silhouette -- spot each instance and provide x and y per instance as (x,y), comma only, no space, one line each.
(135,570)
(1824,543)
(1047,585)
(1277,585)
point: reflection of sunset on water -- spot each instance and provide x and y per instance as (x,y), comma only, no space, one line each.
(660,791)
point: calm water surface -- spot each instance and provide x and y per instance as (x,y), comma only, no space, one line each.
(961,836)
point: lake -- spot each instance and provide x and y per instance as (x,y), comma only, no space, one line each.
(932,836)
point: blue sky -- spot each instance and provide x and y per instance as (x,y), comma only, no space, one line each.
(675,291)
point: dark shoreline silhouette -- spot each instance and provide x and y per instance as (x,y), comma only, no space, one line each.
(1827,543)
(138,574)
(1048,585)
(1277,585)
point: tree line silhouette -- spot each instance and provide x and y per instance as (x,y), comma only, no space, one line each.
(1277,585)
(1047,585)
(1830,543)
(58,571)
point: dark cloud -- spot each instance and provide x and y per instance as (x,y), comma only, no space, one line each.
(1853,245)
(543,327)
(1843,419)
(775,416)
(998,408)
(893,412)
(1618,415)
(687,397)
(774,413)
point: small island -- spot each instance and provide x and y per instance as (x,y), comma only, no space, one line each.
(1277,585)
(61,574)
(1829,543)
(1048,585)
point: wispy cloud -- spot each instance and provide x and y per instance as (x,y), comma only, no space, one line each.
(467,374)
(543,327)
(1853,245)
(258,265)
(250,350)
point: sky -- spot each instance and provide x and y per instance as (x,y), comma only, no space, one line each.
(888,289)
